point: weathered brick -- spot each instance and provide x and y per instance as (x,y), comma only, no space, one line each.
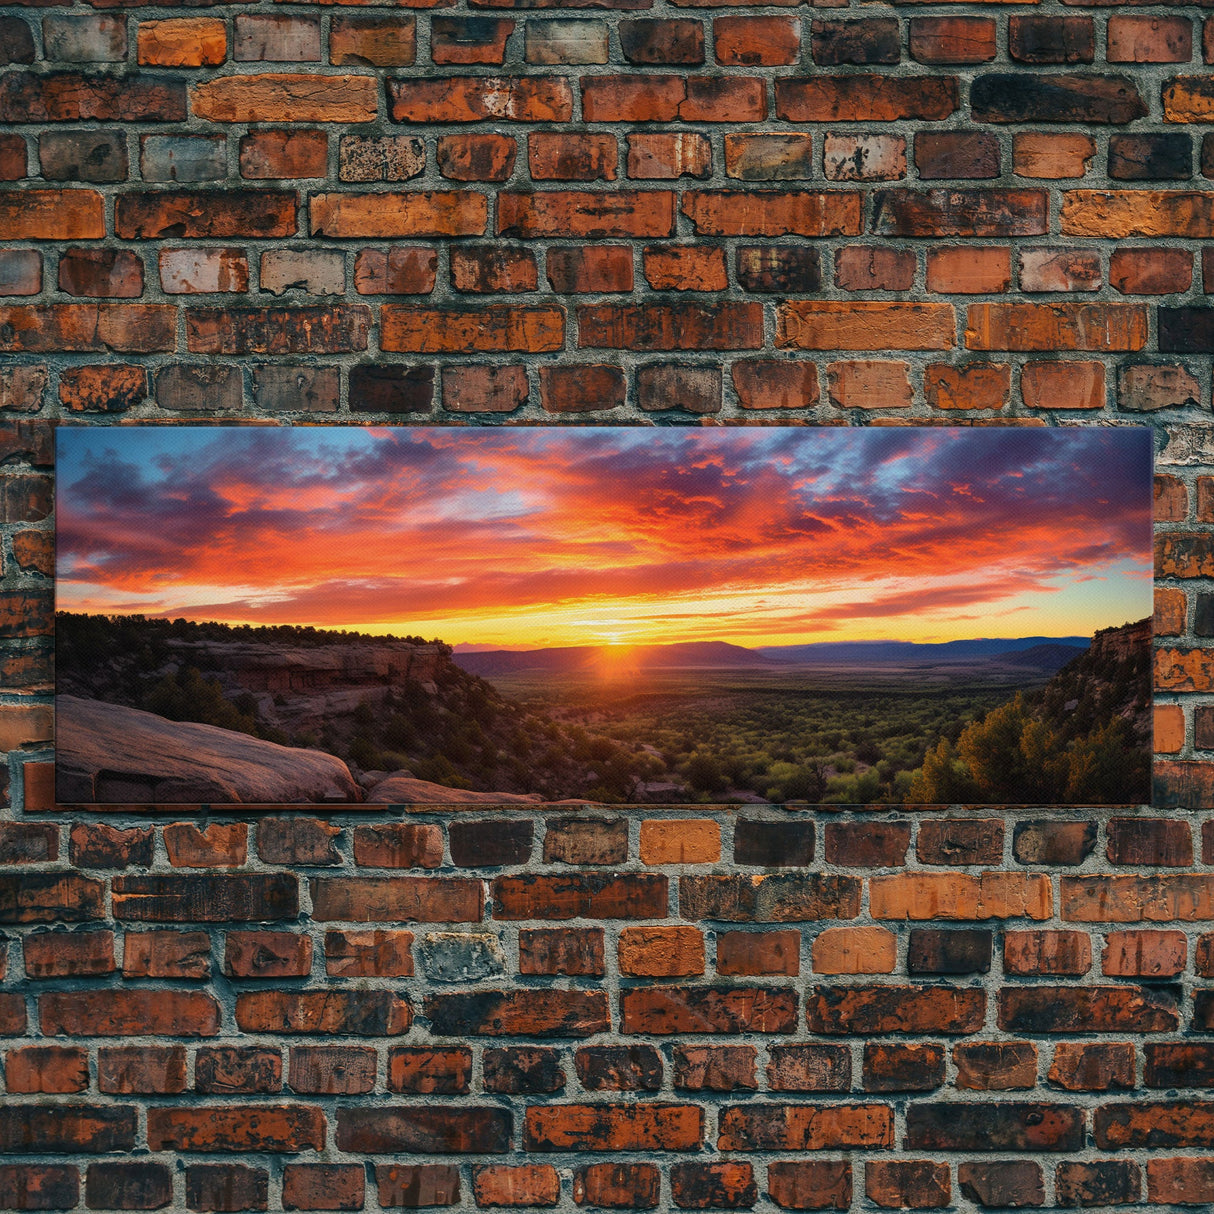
(577,951)
(656,42)
(495,1185)
(938,40)
(890,1067)
(810,1185)
(864,97)
(267,955)
(956,951)
(1101,1182)
(632,1186)
(469,39)
(1056,1009)
(476,157)
(498,327)
(128,1012)
(772,213)
(417,1185)
(182,42)
(802,1127)
(661,952)
(75,97)
(1092,1066)
(899,1184)
(318,1186)
(482,269)
(894,1009)
(376,41)
(479,98)
(863,157)
(226,1187)
(666,155)
(1003,1126)
(668,386)
(387,1129)
(399,270)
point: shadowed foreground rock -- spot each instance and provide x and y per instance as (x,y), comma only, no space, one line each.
(107,753)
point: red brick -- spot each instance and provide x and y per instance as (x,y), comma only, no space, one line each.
(668,155)
(1169,728)
(995,1066)
(469,39)
(516,1013)
(480,98)
(26,1186)
(366,954)
(558,156)
(952,39)
(285,97)
(105,327)
(756,41)
(874,268)
(429,1071)
(262,954)
(108,388)
(130,1185)
(1179,1181)
(809,1068)
(122,1013)
(864,324)
(182,42)
(678,326)
(25,499)
(756,953)
(47,1068)
(1058,1009)
(1149,39)
(855,950)
(656,98)
(894,1009)
(956,154)
(372,1013)
(594,269)
(221,844)
(567,213)
(76,97)
(428,1128)
(1093,1066)
(493,268)
(871,384)
(665,386)
(1149,841)
(226,1187)
(561,951)
(400,270)
(497,1185)
(581,388)
(1150,271)
(228,1069)
(417,1185)
(246,1127)
(142,215)
(864,97)
(332,1070)
(1097,327)
(804,1127)
(1051,156)
(60,954)
(317,1186)
(685,268)
(762,384)
(1063,385)
(902,1184)
(20,272)
(617,1186)
(969,270)
(435,213)
(971,386)
(335,329)
(504,327)
(166,954)
(1051,39)
(655,42)
(476,157)
(810,1185)
(661,952)
(903,1068)
(379,41)
(772,213)
(724,1185)
(484,389)
(714,1068)
(613,1127)
(867,844)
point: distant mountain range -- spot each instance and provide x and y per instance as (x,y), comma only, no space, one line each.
(877,651)
(1045,653)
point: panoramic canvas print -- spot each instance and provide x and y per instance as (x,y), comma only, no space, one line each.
(622,615)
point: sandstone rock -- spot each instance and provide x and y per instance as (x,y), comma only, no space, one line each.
(106,753)
(402,789)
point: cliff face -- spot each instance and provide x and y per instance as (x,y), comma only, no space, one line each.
(305,688)
(1121,644)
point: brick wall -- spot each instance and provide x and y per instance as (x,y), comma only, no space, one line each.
(639,213)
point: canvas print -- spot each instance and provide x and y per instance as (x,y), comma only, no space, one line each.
(436,615)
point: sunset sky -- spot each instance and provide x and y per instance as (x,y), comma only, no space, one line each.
(526,537)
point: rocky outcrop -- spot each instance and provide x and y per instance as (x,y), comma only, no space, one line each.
(301,687)
(1124,642)
(108,754)
(401,788)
